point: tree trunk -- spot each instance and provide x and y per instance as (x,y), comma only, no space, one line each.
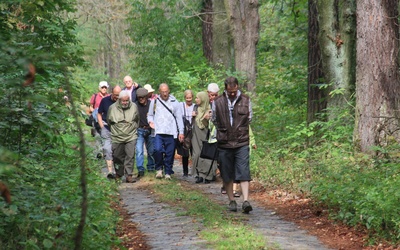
(222,43)
(316,101)
(207,30)
(377,80)
(244,22)
(336,36)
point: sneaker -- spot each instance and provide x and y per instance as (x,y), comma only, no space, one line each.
(168,177)
(232,206)
(246,207)
(140,174)
(130,179)
(159,174)
(99,156)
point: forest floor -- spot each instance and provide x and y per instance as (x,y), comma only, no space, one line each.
(312,219)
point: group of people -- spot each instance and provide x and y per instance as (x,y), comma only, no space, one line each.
(123,128)
(133,118)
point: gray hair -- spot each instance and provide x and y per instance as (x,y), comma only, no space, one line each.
(124,93)
(187,92)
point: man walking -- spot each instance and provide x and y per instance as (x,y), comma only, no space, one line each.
(165,117)
(144,134)
(105,133)
(131,87)
(123,118)
(231,114)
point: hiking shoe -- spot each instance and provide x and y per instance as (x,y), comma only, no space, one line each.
(99,156)
(130,179)
(236,194)
(110,175)
(168,177)
(232,206)
(246,207)
(159,174)
(140,174)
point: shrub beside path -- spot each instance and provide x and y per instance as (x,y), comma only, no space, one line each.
(166,229)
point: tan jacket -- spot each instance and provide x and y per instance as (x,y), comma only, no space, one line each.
(123,122)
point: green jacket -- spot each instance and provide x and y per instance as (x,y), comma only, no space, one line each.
(123,122)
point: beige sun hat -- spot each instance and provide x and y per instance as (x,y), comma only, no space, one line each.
(149,88)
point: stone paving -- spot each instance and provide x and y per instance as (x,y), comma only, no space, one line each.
(167,229)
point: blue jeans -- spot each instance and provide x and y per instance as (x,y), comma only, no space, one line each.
(144,139)
(164,151)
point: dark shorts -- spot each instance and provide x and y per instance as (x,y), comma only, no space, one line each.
(234,163)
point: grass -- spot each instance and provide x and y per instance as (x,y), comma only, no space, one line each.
(222,229)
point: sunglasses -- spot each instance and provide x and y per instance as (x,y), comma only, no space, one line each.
(104,87)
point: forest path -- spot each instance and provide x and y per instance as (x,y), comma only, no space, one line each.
(166,229)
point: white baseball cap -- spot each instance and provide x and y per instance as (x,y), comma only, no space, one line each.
(103,84)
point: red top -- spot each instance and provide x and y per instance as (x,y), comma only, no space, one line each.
(99,97)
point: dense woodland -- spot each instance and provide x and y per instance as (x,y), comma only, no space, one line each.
(323,77)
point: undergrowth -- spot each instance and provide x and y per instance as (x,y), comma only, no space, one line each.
(319,160)
(46,203)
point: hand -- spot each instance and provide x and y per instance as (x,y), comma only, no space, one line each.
(254,146)
(181,137)
(207,115)
(151,124)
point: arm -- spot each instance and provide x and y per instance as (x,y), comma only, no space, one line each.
(178,115)
(150,114)
(91,104)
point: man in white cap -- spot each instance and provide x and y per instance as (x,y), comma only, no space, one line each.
(150,90)
(96,98)
(93,107)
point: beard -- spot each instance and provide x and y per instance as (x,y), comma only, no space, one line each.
(125,105)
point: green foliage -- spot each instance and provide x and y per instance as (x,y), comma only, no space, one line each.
(197,78)
(167,36)
(282,83)
(366,194)
(319,160)
(46,204)
(32,111)
(37,163)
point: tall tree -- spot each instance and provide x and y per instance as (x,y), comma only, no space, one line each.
(222,43)
(377,81)
(244,24)
(316,101)
(106,46)
(207,31)
(337,43)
